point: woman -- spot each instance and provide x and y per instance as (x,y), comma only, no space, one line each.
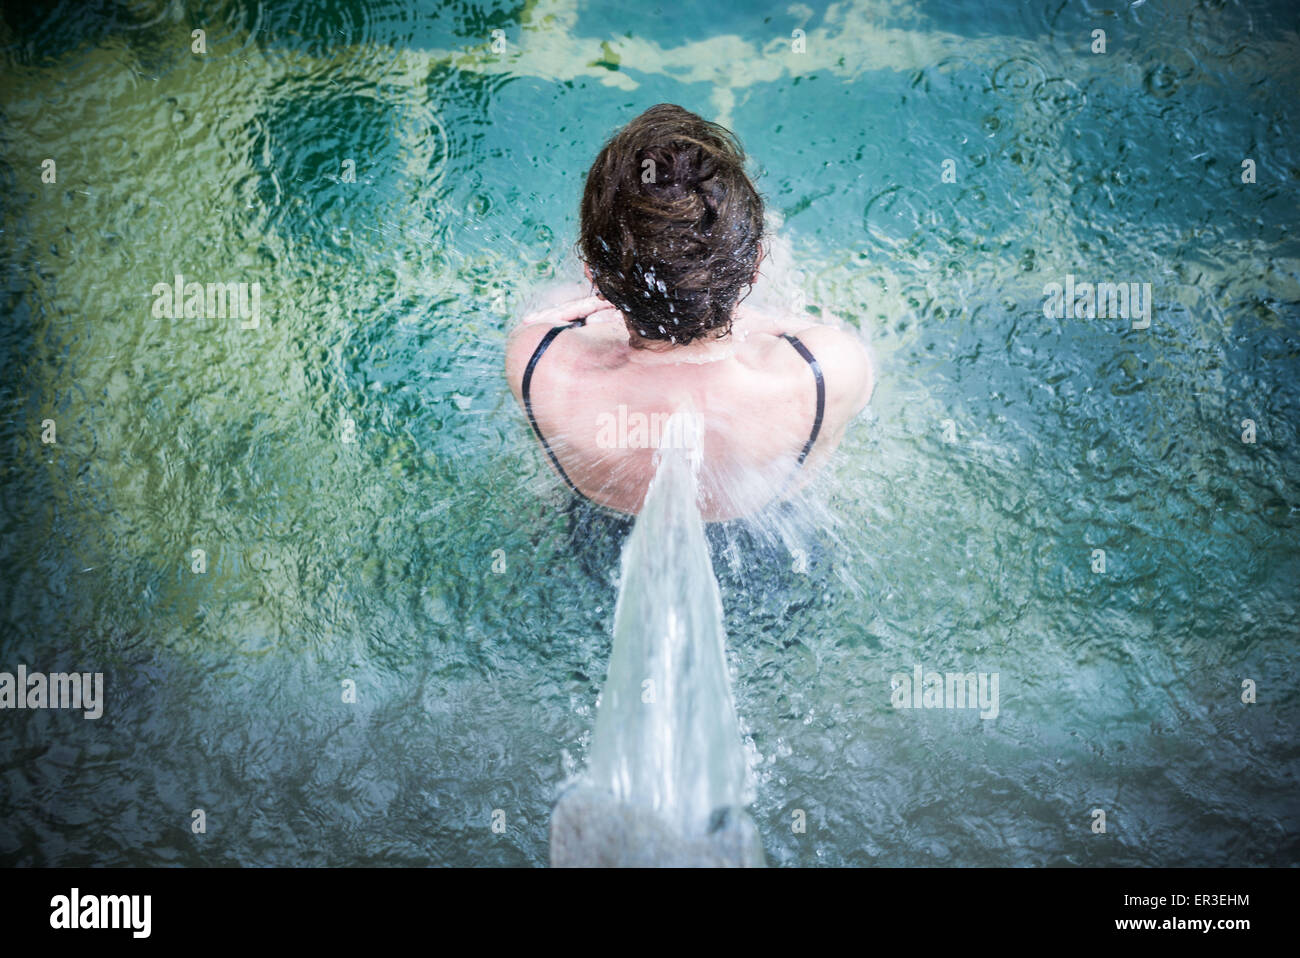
(671,231)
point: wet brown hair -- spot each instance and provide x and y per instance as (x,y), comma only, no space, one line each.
(670,225)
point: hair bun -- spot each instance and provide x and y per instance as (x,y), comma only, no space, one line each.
(683,165)
(671,224)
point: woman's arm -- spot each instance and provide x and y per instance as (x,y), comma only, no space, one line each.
(566,312)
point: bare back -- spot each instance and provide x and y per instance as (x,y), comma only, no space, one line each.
(602,407)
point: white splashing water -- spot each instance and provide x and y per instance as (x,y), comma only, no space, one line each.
(668,778)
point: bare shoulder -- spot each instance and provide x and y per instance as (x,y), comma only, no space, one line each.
(528,334)
(520,344)
(846,365)
(583,351)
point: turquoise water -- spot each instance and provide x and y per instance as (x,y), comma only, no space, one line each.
(955,529)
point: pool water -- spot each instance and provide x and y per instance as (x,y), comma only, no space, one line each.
(371,509)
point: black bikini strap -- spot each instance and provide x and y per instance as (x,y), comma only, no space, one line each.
(528,402)
(821,393)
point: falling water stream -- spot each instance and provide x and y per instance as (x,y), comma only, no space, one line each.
(667,780)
